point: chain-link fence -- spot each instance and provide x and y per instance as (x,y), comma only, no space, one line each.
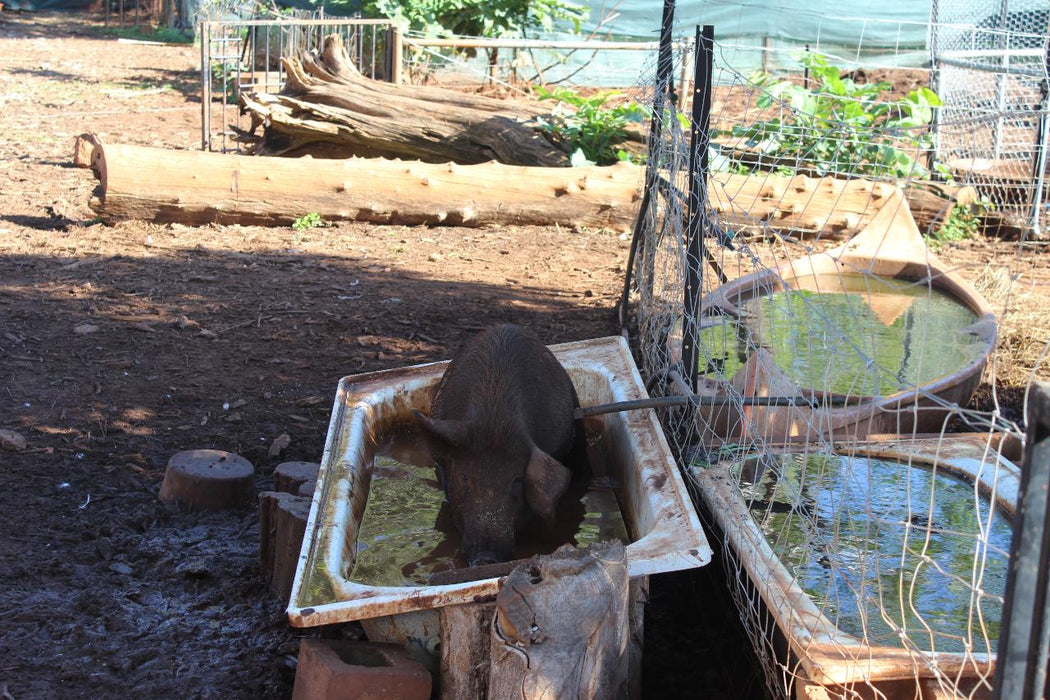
(793,287)
(990,69)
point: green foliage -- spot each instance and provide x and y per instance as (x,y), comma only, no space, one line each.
(965,222)
(589,125)
(227,90)
(311,220)
(167,35)
(840,126)
(499,18)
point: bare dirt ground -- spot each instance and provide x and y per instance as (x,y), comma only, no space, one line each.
(122,345)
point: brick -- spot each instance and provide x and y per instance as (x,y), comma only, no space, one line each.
(341,670)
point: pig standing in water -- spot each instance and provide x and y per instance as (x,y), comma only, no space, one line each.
(500,422)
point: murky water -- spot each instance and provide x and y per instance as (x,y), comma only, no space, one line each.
(882,547)
(851,334)
(405,537)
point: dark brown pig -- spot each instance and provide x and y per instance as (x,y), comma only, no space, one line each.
(500,426)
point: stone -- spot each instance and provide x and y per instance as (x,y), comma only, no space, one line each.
(10,440)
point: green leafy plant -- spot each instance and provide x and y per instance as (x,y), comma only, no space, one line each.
(224,82)
(478,17)
(841,126)
(502,18)
(168,35)
(590,125)
(964,222)
(311,220)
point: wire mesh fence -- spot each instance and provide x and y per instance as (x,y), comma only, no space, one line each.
(246,56)
(786,278)
(989,62)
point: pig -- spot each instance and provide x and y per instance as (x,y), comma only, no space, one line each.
(501,430)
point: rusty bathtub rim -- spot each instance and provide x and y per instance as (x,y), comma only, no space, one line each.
(679,545)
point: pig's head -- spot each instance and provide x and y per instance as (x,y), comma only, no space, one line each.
(493,485)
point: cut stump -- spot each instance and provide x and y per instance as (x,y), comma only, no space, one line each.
(208,480)
(289,476)
(562,627)
(282,524)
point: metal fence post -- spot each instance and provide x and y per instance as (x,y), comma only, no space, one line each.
(664,104)
(394,53)
(204,32)
(695,227)
(1024,639)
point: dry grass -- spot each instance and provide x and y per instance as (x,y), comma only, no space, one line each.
(1024,327)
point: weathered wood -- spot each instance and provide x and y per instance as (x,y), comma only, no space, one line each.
(465,642)
(328,109)
(473,573)
(83,148)
(561,627)
(282,524)
(931,203)
(289,476)
(208,480)
(195,187)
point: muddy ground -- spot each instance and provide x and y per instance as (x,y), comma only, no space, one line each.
(120,345)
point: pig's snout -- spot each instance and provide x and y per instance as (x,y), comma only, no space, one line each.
(482,545)
(483,558)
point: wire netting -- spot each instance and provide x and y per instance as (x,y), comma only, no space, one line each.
(990,68)
(861,491)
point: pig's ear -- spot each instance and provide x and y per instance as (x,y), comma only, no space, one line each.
(545,481)
(444,434)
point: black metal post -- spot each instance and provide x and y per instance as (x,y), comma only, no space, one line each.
(664,94)
(1024,638)
(696,225)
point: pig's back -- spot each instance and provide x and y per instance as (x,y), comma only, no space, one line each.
(505,380)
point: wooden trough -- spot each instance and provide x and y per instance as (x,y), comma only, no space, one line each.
(889,246)
(817,659)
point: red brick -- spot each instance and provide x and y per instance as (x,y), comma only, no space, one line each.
(341,670)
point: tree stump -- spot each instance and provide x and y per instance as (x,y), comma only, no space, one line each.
(282,525)
(561,628)
(208,480)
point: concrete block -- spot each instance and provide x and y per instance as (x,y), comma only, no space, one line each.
(341,670)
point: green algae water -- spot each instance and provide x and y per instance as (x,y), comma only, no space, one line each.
(859,335)
(880,546)
(405,537)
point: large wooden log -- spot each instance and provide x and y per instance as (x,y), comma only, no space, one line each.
(327,109)
(562,626)
(195,187)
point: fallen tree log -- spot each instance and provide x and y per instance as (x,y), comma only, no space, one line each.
(931,202)
(196,187)
(327,109)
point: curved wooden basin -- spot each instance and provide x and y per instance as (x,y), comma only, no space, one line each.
(891,247)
